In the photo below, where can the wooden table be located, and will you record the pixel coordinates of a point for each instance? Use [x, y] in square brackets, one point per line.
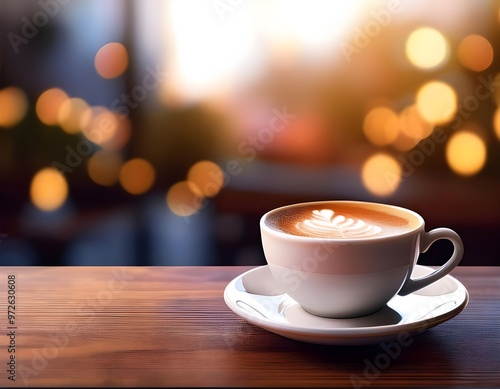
[169, 326]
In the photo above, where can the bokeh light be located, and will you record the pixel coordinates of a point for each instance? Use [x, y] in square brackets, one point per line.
[381, 126]
[381, 174]
[184, 198]
[413, 128]
[48, 105]
[437, 102]
[70, 114]
[466, 152]
[207, 176]
[137, 176]
[427, 48]
[104, 128]
[104, 167]
[475, 52]
[496, 123]
[413, 125]
[13, 106]
[111, 60]
[405, 142]
[49, 189]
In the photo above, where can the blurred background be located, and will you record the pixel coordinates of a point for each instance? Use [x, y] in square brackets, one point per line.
[158, 132]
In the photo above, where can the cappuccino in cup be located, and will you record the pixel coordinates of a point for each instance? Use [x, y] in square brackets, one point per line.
[340, 221]
[345, 259]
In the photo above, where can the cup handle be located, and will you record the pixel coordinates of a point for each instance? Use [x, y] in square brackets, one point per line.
[428, 238]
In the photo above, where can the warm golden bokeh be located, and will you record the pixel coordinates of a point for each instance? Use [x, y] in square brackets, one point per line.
[475, 52]
[70, 114]
[111, 60]
[413, 125]
[48, 190]
[207, 176]
[466, 153]
[496, 123]
[381, 126]
[184, 198]
[104, 167]
[13, 106]
[437, 102]
[48, 105]
[404, 142]
[137, 176]
[427, 48]
[381, 174]
[104, 128]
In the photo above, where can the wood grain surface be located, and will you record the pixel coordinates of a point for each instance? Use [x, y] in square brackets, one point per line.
[169, 326]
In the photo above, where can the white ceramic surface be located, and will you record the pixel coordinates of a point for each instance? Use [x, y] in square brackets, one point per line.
[351, 275]
[401, 316]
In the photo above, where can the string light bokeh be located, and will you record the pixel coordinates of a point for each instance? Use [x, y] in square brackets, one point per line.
[194, 106]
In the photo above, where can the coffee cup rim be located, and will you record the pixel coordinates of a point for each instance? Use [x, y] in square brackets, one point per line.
[281, 234]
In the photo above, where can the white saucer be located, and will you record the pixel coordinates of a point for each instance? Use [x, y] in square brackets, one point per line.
[401, 317]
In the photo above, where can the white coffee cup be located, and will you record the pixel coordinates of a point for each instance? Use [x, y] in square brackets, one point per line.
[344, 259]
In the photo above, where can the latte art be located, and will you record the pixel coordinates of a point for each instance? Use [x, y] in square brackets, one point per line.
[326, 223]
[339, 220]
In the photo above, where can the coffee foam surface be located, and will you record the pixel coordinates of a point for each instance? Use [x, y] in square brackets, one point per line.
[337, 221]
